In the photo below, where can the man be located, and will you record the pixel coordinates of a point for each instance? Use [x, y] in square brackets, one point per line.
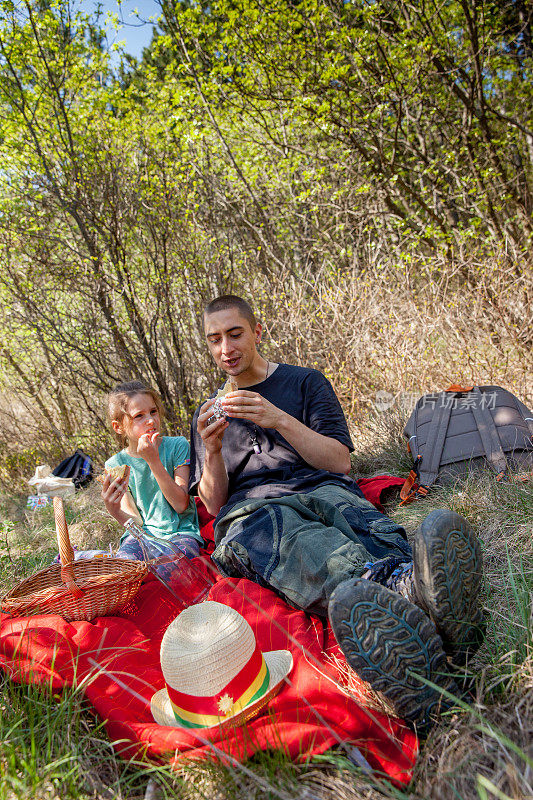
[274, 472]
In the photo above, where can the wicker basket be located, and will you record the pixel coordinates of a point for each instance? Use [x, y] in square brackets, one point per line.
[75, 590]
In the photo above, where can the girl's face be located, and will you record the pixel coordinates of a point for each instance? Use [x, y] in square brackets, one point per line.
[141, 417]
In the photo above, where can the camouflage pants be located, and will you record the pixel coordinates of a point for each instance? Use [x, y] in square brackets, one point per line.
[304, 545]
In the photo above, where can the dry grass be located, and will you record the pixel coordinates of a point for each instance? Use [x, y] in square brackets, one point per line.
[405, 326]
[309, 782]
[488, 747]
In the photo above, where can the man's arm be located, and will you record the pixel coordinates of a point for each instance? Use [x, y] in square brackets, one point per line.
[321, 452]
[213, 485]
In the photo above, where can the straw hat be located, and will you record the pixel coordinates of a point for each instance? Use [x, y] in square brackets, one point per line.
[214, 671]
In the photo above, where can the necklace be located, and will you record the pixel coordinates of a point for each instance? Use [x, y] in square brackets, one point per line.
[253, 430]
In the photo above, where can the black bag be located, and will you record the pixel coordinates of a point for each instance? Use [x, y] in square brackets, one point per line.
[452, 432]
[78, 467]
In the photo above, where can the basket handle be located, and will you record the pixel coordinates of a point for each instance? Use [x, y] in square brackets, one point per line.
[66, 553]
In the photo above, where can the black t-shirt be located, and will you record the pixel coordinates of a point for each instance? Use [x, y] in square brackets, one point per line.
[277, 469]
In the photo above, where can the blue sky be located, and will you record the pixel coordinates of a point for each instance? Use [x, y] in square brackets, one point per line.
[136, 32]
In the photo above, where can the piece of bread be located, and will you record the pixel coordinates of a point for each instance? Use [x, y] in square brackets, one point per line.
[229, 386]
[115, 472]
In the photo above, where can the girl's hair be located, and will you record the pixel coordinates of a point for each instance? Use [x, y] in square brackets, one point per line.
[119, 397]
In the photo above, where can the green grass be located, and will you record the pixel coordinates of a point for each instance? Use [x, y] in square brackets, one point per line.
[51, 745]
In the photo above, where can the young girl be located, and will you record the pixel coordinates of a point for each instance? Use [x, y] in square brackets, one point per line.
[157, 475]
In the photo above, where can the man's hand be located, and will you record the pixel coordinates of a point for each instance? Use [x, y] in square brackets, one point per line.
[244, 404]
[213, 433]
[148, 447]
[113, 490]
[321, 452]
[213, 486]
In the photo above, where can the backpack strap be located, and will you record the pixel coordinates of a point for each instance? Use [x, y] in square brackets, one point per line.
[429, 467]
[488, 433]
[411, 489]
[426, 469]
[526, 415]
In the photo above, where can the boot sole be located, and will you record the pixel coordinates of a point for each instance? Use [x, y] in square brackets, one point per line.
[391, 643]
[448, 575]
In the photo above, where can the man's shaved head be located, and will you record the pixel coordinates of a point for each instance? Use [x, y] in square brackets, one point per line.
[226, 301]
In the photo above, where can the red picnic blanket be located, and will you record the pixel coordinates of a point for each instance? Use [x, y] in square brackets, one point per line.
[115, 661]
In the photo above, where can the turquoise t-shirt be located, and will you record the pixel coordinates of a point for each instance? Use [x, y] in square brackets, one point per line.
[158, 516]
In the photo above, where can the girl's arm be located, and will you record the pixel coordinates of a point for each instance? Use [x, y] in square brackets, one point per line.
[128, 507]
[118, 501]
[174, 488]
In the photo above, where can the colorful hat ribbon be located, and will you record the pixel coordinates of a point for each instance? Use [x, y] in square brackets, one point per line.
[250, 683]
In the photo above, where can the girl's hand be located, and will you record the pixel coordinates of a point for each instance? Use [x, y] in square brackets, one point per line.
[148, 447]
[212, 433]
[113, 491]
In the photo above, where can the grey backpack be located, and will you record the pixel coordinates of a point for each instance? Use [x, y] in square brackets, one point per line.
[464, 428]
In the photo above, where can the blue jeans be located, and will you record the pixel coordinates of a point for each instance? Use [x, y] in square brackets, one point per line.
[188, 545]
[132, 550]
[304, 545]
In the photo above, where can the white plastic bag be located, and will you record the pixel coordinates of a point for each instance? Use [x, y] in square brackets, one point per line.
[46, 483]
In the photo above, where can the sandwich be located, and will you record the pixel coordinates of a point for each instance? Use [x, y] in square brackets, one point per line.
[218, 411]
[229, 386]
[116, 473]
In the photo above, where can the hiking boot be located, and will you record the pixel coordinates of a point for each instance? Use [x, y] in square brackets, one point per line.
[393, 646]
[448, 572]
[444, 579]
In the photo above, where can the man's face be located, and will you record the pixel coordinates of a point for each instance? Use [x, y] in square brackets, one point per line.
[232, 340]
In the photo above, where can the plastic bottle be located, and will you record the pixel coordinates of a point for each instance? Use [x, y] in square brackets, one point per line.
[174, 570]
